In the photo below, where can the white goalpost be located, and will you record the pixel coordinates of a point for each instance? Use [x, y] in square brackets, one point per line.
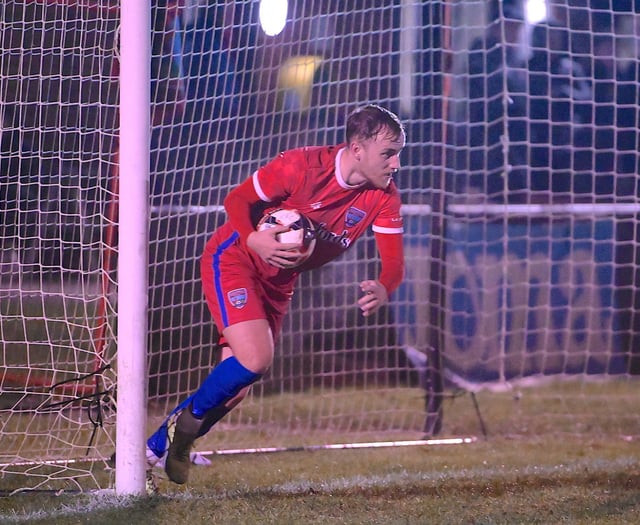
[133, 204]
[125, 124]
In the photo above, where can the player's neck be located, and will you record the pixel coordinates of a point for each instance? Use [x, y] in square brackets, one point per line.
[348, 169]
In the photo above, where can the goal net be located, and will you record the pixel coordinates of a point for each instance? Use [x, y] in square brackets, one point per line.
[519, 200]
[542, 207]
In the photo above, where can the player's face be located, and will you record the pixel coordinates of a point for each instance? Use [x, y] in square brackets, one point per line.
[380, 158]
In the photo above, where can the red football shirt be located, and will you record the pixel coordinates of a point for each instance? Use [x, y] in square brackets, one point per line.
[309, 180]
[240, 286]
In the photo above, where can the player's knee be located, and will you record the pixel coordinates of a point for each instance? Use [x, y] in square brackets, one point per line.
[262, 365]
[251, 342]
[258, 361]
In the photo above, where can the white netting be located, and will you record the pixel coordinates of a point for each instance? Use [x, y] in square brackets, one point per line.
[542, 216]
[58, 103]
[519, 184]
[247, 96]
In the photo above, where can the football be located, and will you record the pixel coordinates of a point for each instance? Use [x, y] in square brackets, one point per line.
[301, 231]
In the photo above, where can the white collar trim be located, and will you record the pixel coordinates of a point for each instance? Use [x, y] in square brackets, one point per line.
[340, 178]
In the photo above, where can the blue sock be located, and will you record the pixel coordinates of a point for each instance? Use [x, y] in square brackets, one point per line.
[157, 442]
[223, 383]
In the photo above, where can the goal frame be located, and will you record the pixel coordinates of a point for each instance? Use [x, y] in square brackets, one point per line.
[484, 305]
[134, 171]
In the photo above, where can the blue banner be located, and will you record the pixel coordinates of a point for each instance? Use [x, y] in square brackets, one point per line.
[522, 299]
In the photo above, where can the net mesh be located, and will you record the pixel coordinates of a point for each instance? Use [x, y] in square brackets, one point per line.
[520, 203]
[58, 104]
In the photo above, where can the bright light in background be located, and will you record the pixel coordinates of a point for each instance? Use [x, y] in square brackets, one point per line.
[273, 16]
[535, 11]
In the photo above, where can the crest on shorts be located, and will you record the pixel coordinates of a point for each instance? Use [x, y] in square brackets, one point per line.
[353, 217]
[237, 297]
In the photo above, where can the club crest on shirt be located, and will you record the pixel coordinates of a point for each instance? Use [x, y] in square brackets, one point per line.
[237, 297]
[353, 217]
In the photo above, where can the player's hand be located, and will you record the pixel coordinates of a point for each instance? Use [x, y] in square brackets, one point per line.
[272, 251]
[375, 296]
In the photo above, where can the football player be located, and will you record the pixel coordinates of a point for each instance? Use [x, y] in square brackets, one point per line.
[247, 276]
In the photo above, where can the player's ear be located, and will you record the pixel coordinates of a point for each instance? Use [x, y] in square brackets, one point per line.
[356, 149]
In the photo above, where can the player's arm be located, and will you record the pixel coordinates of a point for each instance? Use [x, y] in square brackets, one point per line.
[377, 292]
[238, 205]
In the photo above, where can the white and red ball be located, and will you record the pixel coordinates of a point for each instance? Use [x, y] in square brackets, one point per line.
[301, 231]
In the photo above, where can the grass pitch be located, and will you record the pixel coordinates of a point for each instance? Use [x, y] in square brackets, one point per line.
[539, 464]
[495, 481]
